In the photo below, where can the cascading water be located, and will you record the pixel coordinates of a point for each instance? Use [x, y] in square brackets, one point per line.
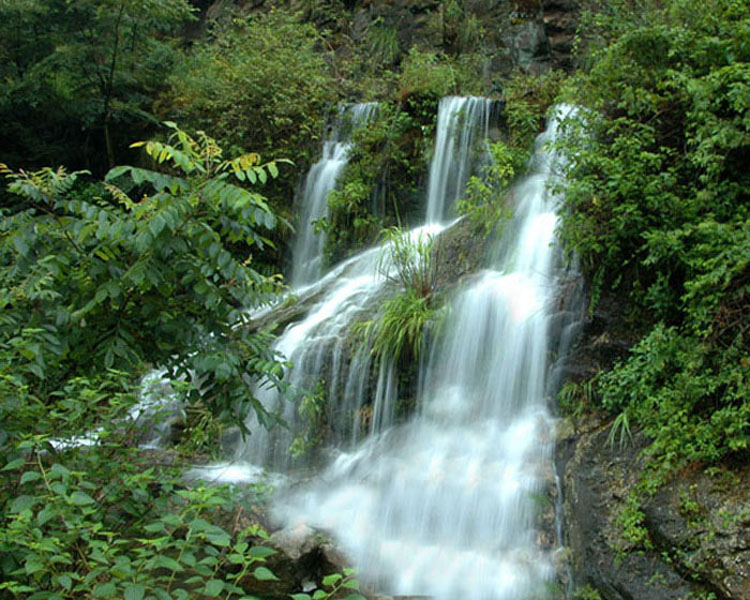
[319, 346]
[320, 180]
[444, 505]
[463, 122]
[320, 350]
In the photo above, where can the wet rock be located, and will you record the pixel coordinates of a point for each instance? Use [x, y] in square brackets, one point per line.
[529, 47]
[705, 521]
[304, 556]
[459, 251]
[697, 525]
[560, 18]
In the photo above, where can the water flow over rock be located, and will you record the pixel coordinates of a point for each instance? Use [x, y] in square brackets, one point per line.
[321, 351]
[444, 505]
[320, 346]
[462, 129]
[320, 180]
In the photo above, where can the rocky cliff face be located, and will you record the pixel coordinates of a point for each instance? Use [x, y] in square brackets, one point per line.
[693, 537]
[535, 35]
[695, 531]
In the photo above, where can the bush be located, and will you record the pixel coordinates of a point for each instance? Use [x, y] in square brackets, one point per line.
[88, 283]
[657, 211]
[104, 520]
[397, 332]
[260, 82]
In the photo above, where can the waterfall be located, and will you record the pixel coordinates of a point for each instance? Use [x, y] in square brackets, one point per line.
[463, 123]
[321, 178]
[443, 505]
[319, 347]
[320, 350]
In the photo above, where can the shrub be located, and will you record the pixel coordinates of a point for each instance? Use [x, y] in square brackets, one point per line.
[104, 519]
[88, 283]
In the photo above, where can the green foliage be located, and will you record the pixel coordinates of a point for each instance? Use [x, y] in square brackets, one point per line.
[620, 430]
[657, 212]
[690, 508]
[689, 397]
[103, 521]
[577, 397]
[200, 432]
[457, 27]
[484, 202]
[87, 283]
[425, 74]
[527, 98]
[397, 332]
[382, 42]
[80, 76]
[379, 184]
[635, 534]
[259, 82]
[664, 160]
[587, 593]
[335, 585]
[312, 411]
[410, 260]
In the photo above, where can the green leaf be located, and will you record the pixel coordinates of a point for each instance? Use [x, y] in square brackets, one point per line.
[105, 590]
[219, 539]
[269, 220]
[168, 563]
[43, 596]
[81, 499]
[33, 564]
[331, 579]
[171, 519]
[29, 476]
[355, 597]
[156, 225]
[22, 503]
[264, 574]
[99, 556]
[45, 515]
[261, 552]
[213, 587]
[65, 581]
[58, 470]
[14, 464]
[134, 591]
[59, 487]
[300, 596]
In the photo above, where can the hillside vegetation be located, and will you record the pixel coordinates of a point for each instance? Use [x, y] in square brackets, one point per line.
[119, 254]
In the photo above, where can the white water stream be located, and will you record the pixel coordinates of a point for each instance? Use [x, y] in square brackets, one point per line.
[320, 181]
[443, 505]
[460, 144]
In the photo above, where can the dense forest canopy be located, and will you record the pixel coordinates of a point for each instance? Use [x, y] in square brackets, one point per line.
[107, 271]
